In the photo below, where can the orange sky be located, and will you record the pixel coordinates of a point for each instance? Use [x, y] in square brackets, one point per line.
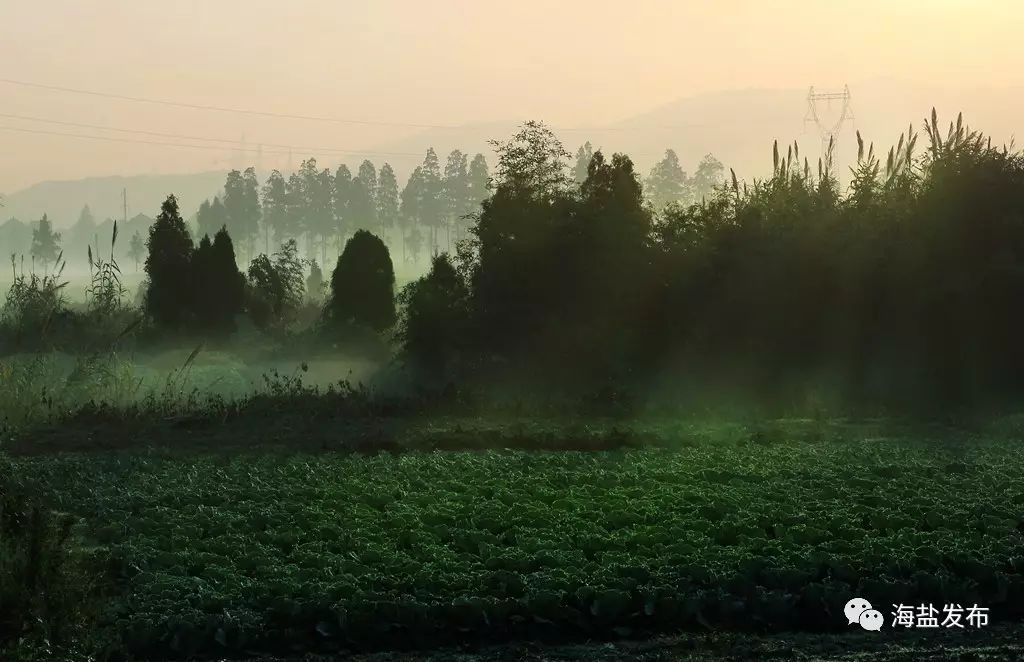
[572, 62]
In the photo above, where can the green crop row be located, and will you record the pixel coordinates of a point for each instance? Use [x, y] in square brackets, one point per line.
[227, 555]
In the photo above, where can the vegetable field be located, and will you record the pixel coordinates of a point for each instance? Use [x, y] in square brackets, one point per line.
[233, 555]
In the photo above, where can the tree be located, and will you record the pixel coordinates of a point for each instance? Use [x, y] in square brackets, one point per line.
[583, 156]
[45, 242]
[211, 217]
[668, 182]
[238, 207]
[410, 212]
[297, 208]
[170, 289]
[431, 203]
[368, 176]
[710, 173]
[275, 208]
[342, 192]
[321, 209]
[455, 191]
[362, 286]
[276, 287]
[435, 319]
[317, 206]
[479, 183]
[136, 248]
[315, 283]
[360, 206]
[387, 199]
[220, 291]
[82, 232]
[532, 162]
[251, 210]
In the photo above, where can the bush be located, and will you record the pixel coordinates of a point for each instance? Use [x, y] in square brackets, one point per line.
[33, 304]
[434, 319]
[276, 288]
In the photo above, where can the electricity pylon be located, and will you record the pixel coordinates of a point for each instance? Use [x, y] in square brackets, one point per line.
[828, 132]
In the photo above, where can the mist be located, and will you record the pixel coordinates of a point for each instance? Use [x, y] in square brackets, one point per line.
[583, 330]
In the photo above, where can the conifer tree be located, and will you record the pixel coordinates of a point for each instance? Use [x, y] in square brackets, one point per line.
[170, 289]
[45, 242]
[583, 156]
[387, 199]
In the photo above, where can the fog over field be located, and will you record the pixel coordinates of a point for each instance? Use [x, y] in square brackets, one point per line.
[511, 331]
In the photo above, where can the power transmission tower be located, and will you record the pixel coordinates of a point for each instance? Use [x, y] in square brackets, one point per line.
[828, 131]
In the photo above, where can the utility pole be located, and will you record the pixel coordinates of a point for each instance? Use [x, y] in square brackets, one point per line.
[124, 203]
[828, 131]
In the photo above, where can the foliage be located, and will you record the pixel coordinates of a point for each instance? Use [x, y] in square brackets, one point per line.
[171, 287]
[747, 528]
[276, 288]
[45, 243]
[387, 198]
[362, 286]
[667, 182]
[47, 597]
[532, 162]
[221, 295]
[583, 156]
[315, 283]
[137, 248]
[33, 302]
[434, 320]
[105, 292]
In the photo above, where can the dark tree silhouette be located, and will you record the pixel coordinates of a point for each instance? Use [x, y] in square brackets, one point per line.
[479, 184]
[435, 320]
[362, 286]
[170, 290]
[220, 287]
[276, 288]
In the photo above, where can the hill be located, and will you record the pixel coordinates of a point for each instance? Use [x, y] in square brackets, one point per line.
[63, 200]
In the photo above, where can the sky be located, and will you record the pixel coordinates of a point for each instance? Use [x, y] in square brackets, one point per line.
[574, 63]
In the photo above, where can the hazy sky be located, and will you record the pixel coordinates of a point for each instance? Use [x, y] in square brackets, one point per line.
[571, 62]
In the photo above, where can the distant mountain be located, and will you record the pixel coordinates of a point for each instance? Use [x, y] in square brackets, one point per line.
[738, 126]
[63, 200]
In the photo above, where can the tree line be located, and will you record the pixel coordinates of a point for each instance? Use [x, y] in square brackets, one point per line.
[320, 208]
[197, 289]
[903, 288]
[906, 288]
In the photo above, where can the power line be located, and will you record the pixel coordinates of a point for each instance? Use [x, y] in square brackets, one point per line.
[206, 139]
[223, 109]
[142, 142]
[335, 120]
